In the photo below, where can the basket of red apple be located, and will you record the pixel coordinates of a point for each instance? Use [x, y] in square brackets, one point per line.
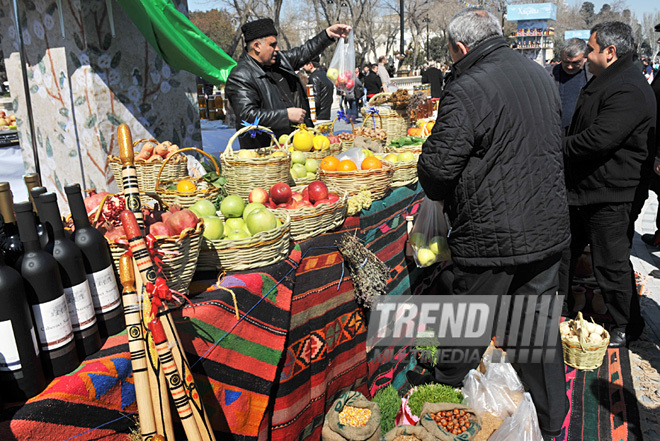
[177, 233]
[243, 237]
[353, 169]
[314, 209]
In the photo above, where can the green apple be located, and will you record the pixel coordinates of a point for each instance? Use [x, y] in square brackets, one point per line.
[440, 247]
[311, 175]
[417, 240]
[332, 74]
[278, 224]
[405, 156]
[297, 157]
[391, 157]
[311, 165]
[250, 208]
[238, 234]
[214, 229]
[261, 220]
[203, 208]
[283, 139]
[234, 223]
[232, 206]
[298, 171]
[367, 153]
[425, 257]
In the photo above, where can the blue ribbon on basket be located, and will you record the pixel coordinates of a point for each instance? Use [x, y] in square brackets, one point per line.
[343, 117]
[253, 133]
[373, 112]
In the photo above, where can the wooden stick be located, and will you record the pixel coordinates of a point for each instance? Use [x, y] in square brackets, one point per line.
[129, 174]
[137, 348]
[159, 395]
[148, 274]
[181, 401]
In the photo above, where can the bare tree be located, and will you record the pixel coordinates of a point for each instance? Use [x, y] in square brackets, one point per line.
[649, 20]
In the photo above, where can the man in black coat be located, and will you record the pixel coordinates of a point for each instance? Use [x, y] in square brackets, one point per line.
[608, 155]
[264, 83]
[372, 82]
[323, 89]
[494, 158]
[434, 77]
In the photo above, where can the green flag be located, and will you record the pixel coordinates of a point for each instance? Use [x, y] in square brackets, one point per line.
[181, 44]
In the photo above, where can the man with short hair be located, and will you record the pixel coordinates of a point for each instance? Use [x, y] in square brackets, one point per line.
[495, 160]
[608, 155]
[323, 89]
[570, 77]
[372, 81]
[264, 83]
[433, 76]
[383, 74]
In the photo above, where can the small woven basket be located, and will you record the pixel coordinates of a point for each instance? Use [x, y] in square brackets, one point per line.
[584, 355]
[310, 222]
[378, 181]
[244, 174]
[368, 122]
[204, 190]
[405, 172]
[394, 122]
[345, 143]
[262, 249]
[314, 154]
[147, 171]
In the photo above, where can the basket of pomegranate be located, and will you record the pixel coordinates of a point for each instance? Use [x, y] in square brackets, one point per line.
[177, 233]
[243, 237]
[314, 209]
[185, 191]
[311, 142]
[248, 168]
[148, 163]
[357, 168]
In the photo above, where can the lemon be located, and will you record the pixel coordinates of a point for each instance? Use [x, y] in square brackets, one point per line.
[321, 143]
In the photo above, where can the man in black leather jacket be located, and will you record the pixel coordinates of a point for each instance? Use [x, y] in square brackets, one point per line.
[264, 84]
[323, 89]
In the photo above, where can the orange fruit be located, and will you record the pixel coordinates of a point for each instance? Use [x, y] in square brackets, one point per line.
[329, 163]
[346, 165]
[186, 186]
[371, 163]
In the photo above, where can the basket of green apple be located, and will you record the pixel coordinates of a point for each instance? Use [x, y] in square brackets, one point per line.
[405, 168]
[242, 236]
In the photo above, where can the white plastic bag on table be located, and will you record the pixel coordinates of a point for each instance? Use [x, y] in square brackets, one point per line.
[355, 154]
[521, 426]
[342, 67]
[428, 237]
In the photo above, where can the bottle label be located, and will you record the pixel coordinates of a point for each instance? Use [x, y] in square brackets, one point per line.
[34, 340]
[81, 308]
[9, 358]
[105, 293]
[53, 324]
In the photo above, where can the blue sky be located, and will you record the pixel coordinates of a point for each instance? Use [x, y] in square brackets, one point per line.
[639, 7]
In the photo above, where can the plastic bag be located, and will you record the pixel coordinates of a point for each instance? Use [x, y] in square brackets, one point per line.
[355, 154]
[342, 67]
[428, 237]
[521, 426]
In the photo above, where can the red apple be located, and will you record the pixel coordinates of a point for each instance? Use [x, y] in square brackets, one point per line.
[305, 204]
[350, 84]
[305, 194]
[297, 196]
[280, 193]
[333, 197]
[322, 201]
[317, 191]
[258, 195]
[286, 206]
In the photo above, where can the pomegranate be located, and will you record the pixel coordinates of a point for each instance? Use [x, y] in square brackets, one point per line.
[159, 229]
[317, 191]
[114, 234]
[181, 220]
[94, 200]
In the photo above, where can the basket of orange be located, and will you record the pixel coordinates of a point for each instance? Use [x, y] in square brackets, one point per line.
[148, 162]
[250, 168]
[344, 174]
[188, 190]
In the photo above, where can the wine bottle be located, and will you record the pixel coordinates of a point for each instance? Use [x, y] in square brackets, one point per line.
[98, 266]
[32, 180]
[45, 296]
[21, 373]
[74, 279]
[12, 246]
[35, 192]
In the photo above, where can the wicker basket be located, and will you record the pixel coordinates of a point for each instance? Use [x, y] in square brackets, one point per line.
[306, 180]
[405, 172]
[244, 174]
[378, 181]
[314, 154]
[204, 189]
[310, 222]
[265, 248]
[147, 171]
[394, 122]
[415, 149]
[345, 144]
[585, 355]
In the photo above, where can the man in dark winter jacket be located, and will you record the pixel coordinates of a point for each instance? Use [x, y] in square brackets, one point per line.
[570, 77]
[494, 158]
[323, 89]
[608, 153]
[264, 83]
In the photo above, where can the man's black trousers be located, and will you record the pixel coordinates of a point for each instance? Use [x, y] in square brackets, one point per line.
[545, 380]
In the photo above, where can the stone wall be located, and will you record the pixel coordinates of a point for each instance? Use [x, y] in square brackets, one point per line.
[84, 84]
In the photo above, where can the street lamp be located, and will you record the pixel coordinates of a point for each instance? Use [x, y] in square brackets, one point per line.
[427, 21]
[401, 10]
